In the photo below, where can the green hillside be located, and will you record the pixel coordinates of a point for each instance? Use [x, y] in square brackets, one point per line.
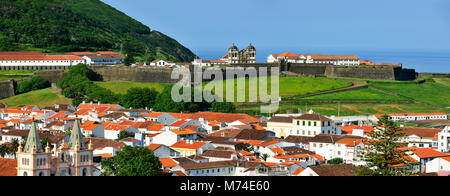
[81, 25]
[41, 98]
[290, 86]
[122, 87]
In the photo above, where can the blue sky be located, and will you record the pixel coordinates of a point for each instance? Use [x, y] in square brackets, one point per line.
[297, 24]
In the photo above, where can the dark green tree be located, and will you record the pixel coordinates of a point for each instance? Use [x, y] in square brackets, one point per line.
[14, 147]
[132, 161]
[165, 103]
[3, 150]
[223, 107]
[244, 147]
[335, 161]
[123, 134]
[139, 98]
[383, 150]
[264, 157]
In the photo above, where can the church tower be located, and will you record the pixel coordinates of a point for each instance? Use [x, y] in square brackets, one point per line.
[77, 158]
[233, 54]
[32, 159]
[251, 54]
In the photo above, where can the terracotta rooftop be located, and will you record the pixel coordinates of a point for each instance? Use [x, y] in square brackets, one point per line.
[334, 170]
[8, 167]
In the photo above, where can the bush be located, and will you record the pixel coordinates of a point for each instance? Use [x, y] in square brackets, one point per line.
[139, 98]
[336, 161]
[35, 83]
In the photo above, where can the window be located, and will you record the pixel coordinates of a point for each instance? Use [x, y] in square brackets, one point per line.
[309, 123]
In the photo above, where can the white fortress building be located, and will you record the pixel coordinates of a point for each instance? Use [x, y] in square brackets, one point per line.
[343, 60]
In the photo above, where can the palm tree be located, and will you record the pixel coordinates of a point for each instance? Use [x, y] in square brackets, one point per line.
[264, 157]
[3, 150]
[45, 141]
[14, 147]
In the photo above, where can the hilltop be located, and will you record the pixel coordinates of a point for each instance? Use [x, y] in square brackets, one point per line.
[81, 25]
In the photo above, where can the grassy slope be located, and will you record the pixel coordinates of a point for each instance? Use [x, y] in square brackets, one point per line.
[15, 74]
[291, 86]
[425, 94]
[443, 81]
[122, 87]
[352, 109]
[41, 98]
[368, 94]
[428, 92]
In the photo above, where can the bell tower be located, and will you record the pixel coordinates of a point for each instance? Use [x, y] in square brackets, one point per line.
[32, 160]
[77, 158]
[233, 54]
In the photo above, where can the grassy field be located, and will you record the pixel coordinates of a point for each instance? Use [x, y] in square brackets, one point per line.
[428, 92]
[361, 94]
[292, 86]
[351, 109]
[426, 97]
[15, 74]
[41, 98]
[443, 81]
[122, 87]
[8, 77]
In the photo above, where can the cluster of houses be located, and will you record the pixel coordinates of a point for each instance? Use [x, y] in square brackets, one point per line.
[211, 144]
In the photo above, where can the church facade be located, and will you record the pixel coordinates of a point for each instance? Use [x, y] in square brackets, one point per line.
[72, 159]
[244, 56]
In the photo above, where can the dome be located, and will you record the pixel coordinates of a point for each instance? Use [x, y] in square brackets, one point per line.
[251, 47]
[233, 47]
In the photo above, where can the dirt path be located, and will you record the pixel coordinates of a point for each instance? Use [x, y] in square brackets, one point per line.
[354, 109]
[398, 108]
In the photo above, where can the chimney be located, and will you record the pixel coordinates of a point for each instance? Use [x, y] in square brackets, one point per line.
[92, 102]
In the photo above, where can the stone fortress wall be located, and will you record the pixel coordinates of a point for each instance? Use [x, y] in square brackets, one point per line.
[163, 75]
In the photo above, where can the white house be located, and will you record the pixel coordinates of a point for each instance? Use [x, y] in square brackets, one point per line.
[104, 59]
[438, 165]
[38, 61]
[416, 116]
[444, 140]
[171, 137]
[343, 60]
[161, 63]
[163, 151]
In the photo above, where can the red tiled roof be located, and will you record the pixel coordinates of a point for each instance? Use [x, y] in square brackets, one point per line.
[224, 117]
[427, 153]
[156, 127]
[168, 162]
[40, 58]
[21, 53]
[349, 141]
[153, 147]
[106, 155]
[298, 171]
[8, 167]
[184, 144]
[251, 142]
[183, 131]
[80, 53]
[413, 114]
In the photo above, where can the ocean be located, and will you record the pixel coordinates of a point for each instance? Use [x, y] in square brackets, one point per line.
[422, 61]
